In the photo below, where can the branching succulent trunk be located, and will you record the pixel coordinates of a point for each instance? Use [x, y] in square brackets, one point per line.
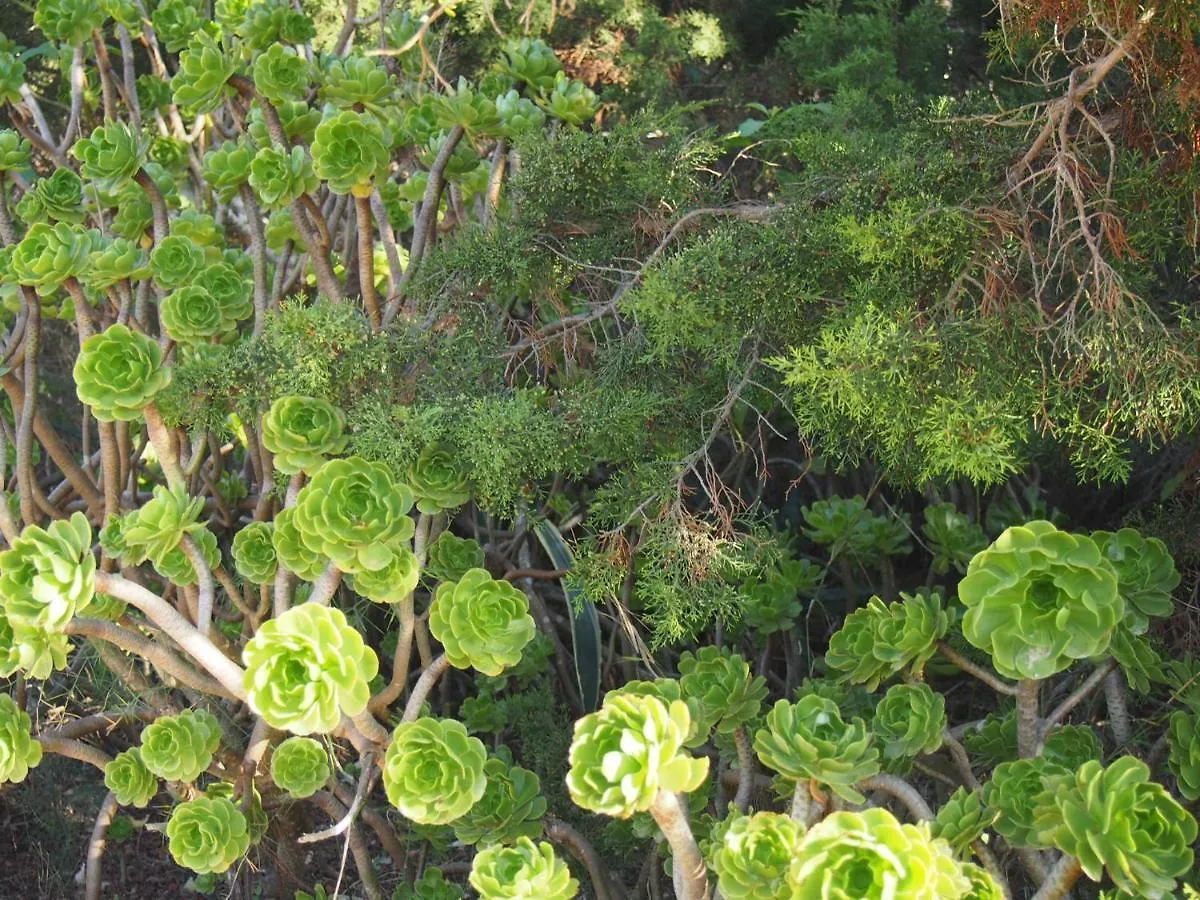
[688, 870]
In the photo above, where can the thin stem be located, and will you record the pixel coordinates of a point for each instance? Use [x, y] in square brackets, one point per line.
[1077, 696]
[400, 660]
[423, 686]
[95, 852]
[25, 424]
[745, 770]
[205, 584]
[690, 874]
[562, 833]
[992, 681]
[258, 255]
[901, 790]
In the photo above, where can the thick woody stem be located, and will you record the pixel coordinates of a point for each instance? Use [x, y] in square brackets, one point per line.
[1064, 874]
[1028, 731]
[562, 833]
[164, 447]
[897, 787]
[745, 770]
[690, 874]
[176, 627]
[366, 261]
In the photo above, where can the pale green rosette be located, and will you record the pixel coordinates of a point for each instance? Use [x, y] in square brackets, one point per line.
[755, 855]
[482, 623]
[300, 765]
[127, 777]
[180, 748]
[1038, 599]
[433, 771]
[624, 754]
[524, 871]
[208, 834]
[19, 752]
[307, 668]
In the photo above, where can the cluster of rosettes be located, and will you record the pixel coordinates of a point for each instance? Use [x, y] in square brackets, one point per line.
[46, 577]
[1038, 599]
[884, 639]
[809, 740]
[849, 529]
[307, 668]
[867, 856]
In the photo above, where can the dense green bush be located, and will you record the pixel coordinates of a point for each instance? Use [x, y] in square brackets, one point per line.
[578, 445]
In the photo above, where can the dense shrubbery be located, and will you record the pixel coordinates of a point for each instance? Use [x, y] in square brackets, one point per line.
[566, 448]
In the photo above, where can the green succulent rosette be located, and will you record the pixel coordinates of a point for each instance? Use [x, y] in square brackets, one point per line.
[355, 513]
[1013, 791]
[883, 639]
[358, 81]
[809, 740]
[34, 651]
[280, 229]
[175, 22]
[127, 777]
[1039, 598]
[281, 74]
[306, 668]
[754, 857]
[451, 557]
[350, 152]
[155, 529]
[772, 602]
[1114, 819]
[291, 551]
[433, 771]
[48, 575]
[668, 690]
[19, 752]
[1183, 758]
[169, 152]
[432, 885]
[269, 22]
[993, 740]
[202, 82]
[393, 582]
[466, 107]
[200, 228]
[962, 820]
[153, 93]
[438, 481]
[134, 214]
[1070, 746]
[302, 432]
[485, 714]
[254, 553]
[119, 260]
[112, 154]
[982, 886]
[626, 752]
[524, 871]
[50, 254]
[177, 262]
[232, 292]
[1140, 662]
[300, 765]
[909, 720]
[208, 834]
[511, 807]
[176, 566]
[256, 816]
[191, 315]
[482, 623]
[56, 198]
[12, 76]
[180, 747]
[871, 856]
[722, 683]
[952, 536]
[848, 528]
[227, 167]
[69, 21]
[15, 151]
[532, 62]
[1146, 574]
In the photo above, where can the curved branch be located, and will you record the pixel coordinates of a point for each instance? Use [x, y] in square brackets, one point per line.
[995, 683]
[95, 852]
